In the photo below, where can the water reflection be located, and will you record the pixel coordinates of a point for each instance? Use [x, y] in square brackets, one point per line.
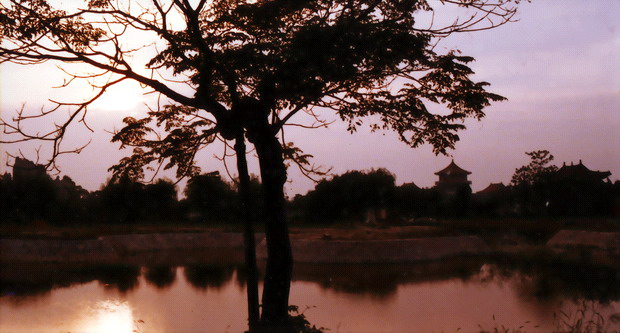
[203, 276]
[39, 279]
[160, 276]
[382, 281]
[549, 280]
[540, 281]
[123, 278]
[470, 291]
[108, 316]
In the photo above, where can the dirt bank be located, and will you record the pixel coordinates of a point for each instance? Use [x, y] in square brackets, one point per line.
[124, 247]
[114, 248]
[309, 246]
[382, 251]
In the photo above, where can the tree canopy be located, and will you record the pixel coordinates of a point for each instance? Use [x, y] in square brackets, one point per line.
[360, 58]
[349, 196]
[536, 170]
[243, 69]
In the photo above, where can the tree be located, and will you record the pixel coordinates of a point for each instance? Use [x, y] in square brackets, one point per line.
[536, 170]
[248, 68]
[211, 197]
[121, 201]
[160, 201]
[531, 183]
[349, 196]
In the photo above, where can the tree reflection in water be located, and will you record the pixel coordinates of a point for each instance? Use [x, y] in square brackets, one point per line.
[203, 276]
[540, 280]
[381, 281]
[547, 280]
[123, 278]
[536, 283]
[160, 276]
[38, 279]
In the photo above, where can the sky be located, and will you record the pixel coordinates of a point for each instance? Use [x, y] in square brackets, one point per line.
[558, 66]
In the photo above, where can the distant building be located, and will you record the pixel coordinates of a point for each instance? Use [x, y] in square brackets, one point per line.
[452, 178]
[493, 188]
[24, 170]
[454, 190]
[578, 191]
[581, 173]
[493, 200]
[410, 186]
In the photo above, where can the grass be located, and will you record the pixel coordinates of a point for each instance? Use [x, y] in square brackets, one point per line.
[585, 319]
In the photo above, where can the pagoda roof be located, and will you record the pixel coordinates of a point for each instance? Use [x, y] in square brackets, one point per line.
[410, 185]
[494, 188]
[581, 171]
[452, 169]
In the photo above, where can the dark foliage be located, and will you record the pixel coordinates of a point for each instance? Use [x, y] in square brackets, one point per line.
[348, 196]
[31, 195]
[37, 198]
[123, 201]
[209, 198]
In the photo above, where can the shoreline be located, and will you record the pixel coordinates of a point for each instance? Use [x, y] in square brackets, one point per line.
[227, 246]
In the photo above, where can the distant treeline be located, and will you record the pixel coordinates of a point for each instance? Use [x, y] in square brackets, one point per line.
[372, 196]
[30, 195]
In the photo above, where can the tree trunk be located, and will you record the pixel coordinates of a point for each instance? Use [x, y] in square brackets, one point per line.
[279, 267]
[248, 234]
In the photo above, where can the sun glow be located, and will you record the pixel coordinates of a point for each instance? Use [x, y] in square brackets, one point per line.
[109, 316]
[123, 96]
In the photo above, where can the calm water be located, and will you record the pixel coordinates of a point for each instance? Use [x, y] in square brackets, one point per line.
[447, 296]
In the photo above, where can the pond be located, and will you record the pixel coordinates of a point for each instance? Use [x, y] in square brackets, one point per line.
[459, 295]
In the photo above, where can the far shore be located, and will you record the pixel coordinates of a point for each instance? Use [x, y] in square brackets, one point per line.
[354, 244]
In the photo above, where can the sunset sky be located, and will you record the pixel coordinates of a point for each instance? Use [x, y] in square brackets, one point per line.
[558, 66]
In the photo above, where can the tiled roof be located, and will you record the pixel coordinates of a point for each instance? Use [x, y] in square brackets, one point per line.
[493, 188]
[581, 171]
[453, 169]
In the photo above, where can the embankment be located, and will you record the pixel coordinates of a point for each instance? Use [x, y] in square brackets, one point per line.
[228, 247]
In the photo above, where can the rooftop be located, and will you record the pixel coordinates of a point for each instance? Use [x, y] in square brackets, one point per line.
[452, 169]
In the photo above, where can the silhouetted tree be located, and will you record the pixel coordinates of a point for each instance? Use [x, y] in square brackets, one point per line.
[122, 201]
[68, 206]
[536, 171]
[30, 193]
[160, 201]
[531, 183]
[348, 196]
[407, 201]
[249, 68]
[211, 198]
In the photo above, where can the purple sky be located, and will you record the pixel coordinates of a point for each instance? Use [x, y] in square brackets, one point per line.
[558, 66]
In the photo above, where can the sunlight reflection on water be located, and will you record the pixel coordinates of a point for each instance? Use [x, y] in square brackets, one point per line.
[108, 316]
